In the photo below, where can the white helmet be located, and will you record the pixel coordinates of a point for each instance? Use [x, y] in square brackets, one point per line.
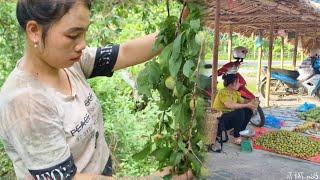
[314, 52]
[240, 52]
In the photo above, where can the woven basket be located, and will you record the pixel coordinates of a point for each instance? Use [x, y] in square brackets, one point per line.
[211, 125]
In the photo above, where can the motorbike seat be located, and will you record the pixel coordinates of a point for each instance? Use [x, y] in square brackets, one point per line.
[290, 73]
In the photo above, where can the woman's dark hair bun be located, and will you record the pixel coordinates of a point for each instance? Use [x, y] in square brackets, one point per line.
[229, 79]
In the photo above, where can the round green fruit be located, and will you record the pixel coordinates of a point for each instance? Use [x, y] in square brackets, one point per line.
[170, 82]
[192, 104]
[198, 101]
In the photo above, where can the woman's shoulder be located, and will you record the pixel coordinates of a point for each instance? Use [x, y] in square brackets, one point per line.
[21, 104]
[18, 81]
[20, 89]
[223, 91]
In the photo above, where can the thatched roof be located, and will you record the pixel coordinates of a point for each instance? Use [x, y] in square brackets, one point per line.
[251, 16]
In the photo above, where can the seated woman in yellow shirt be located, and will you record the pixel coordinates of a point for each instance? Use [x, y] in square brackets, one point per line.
[236, 111]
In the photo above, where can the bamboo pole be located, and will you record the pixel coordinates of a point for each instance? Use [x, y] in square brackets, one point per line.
[295, 51]
[259, 63]
[215, 52]
[282, 52]
[230, 44]
[301, 50]
[269, 65]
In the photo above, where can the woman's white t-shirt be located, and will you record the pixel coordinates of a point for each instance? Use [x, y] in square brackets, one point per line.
[49, 134]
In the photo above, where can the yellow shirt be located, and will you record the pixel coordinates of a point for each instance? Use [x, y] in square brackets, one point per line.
[225, 95]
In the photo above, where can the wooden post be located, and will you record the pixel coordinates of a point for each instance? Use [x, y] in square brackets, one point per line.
[301, 49]
[215, 52]
[259, 63]
[269, 65]
[295, 51]
[282, 52]
[230, 45]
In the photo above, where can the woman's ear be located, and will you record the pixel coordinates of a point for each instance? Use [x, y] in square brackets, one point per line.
[34, 32]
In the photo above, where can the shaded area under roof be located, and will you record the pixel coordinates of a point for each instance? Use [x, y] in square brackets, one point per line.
[249, 17]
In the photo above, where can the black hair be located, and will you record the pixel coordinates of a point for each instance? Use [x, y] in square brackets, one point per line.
[44, 12]
[229, 79]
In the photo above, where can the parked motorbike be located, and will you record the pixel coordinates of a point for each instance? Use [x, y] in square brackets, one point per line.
[304, 82]
[239, 53]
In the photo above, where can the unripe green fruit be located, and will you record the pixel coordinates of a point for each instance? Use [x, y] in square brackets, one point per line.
[198, 101]
[192, 104]
[170, 82]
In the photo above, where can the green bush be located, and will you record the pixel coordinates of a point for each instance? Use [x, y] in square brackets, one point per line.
[126, 130]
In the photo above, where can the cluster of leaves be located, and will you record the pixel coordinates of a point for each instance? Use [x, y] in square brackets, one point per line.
[177, 139]
[11, 47]
[125, 130]
[11, 40]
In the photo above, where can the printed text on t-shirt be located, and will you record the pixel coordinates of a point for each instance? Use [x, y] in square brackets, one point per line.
[80, 126]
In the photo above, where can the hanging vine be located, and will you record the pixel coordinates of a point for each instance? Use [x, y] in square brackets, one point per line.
[177, 138]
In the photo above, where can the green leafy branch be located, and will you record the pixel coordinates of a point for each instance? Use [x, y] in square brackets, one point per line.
[176, 141]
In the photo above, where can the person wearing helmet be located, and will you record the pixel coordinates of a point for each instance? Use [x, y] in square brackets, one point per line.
[307, 69]
[314, 52]
[239, 53]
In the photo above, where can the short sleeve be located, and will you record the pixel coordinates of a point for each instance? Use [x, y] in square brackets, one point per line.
[239, 98]
[30, 123]
[99, 61]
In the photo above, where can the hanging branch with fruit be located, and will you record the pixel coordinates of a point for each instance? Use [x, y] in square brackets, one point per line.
[177, 140]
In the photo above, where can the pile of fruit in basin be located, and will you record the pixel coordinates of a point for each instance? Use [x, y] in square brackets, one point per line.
[313, 115]
[290, 143]
[312, 124]
[308, 127]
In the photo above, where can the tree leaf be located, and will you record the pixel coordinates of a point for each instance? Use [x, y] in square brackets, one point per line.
[161, 154]
[157, 43]
[176, 158]
[182, 146]
[195, 24]
[143, 84]
[177, 47]
[180, 89]
[200, 109]
[154, 72]
[196, 165]
[174, 65]
[165, 56]
[181, 114]
[194, 48]
[166, 98]
[187, 68]
[167, 177]
[143, 153]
